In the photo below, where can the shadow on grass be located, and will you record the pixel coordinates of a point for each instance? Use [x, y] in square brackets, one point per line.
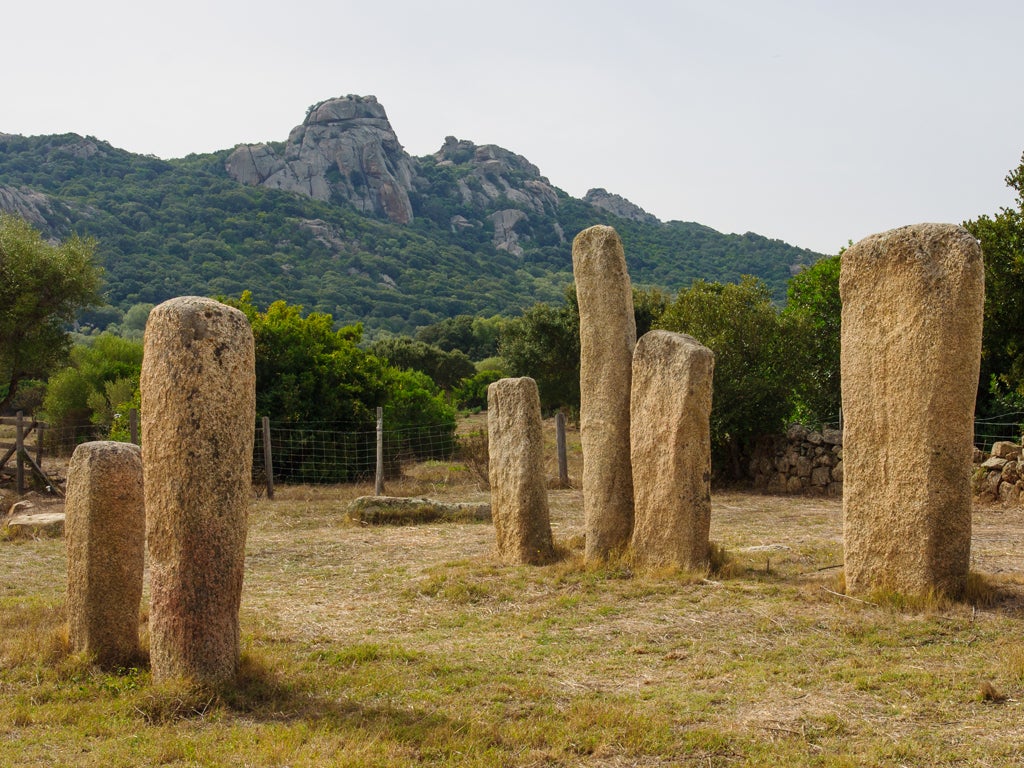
[263, 695]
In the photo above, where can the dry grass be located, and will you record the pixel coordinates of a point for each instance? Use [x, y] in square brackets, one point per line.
[412, 645]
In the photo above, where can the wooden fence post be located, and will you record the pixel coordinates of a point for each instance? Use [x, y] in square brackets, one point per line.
[268, 459]
[19, 456]
[133, 425]
[378, 486]
[40, 426]
[563, 459]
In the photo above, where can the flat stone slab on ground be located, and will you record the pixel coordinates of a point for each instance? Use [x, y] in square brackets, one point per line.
[49, 524]
[401, 510]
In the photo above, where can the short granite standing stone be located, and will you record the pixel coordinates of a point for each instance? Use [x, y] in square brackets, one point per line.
[198, 414]
[670, 442]
[607, 338]
[911, 347]
[519, 496]
[105, 539]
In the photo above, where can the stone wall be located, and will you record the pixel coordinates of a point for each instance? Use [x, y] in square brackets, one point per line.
[802, 461]
[999, 476]
[808, 461]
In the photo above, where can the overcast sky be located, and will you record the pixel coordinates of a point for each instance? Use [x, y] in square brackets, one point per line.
[812, 122]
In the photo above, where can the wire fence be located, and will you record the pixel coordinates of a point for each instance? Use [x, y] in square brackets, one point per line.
[324, 452]
[987, 429]
[991, 429]
[333, 452]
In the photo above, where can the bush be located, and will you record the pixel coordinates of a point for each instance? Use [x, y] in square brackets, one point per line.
[471, 394]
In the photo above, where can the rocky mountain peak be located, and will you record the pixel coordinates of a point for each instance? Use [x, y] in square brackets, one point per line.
[505, 186]
[345, 149]
[345, 108]
[619, 206]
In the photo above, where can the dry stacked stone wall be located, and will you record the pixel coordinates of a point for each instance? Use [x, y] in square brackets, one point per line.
[999, 476]
[804, 461]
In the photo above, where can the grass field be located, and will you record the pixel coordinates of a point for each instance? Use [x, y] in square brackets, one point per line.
[395, 646]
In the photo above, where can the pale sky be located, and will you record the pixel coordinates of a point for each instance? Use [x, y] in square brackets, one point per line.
[812, 122]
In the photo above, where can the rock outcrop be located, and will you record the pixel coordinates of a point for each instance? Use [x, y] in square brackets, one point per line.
[619, 206]
[493, 179]
[494, 174]
[38, 209]
[345, 150]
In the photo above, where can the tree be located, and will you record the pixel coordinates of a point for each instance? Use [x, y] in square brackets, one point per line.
[477, 337]
[306, 371]
[42, 286]
[544, 343]
[100, 382]
[446, 369]
[814, 309]
[1002, 243]
[753, 361]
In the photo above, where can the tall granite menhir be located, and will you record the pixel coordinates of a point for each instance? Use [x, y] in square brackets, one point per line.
[670, 445]
[911, 348]
[198, 414]
[519, 495]
[607, 338]
[105, 539]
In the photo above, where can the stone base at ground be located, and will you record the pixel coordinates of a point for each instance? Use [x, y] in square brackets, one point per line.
[400, 510]
[36, 524]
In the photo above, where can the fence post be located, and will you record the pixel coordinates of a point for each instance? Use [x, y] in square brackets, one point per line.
[40, 426]
[133, 425]
[378, 486]
[563, 460]
[268, 459]
[19, 459]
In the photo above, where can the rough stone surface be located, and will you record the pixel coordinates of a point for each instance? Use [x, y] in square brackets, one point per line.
[994, 462]
[519, 496]
[38, 209]
[821, 476]
[346, 148]
[1004, 449]
[105, 539]
[505, 236]
[198, 410]
[670, 447]
[607, 339]
[793, 464]
[35, 524]
[911, 345]
[619, 206]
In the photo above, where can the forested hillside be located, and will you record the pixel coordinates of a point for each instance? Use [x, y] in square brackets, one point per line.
[185, 226]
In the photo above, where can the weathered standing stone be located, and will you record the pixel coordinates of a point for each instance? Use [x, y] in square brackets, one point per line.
[105, 539]
[670, 444]
[519, 496]
[607, 338]
[911, 345]
[198, 412]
